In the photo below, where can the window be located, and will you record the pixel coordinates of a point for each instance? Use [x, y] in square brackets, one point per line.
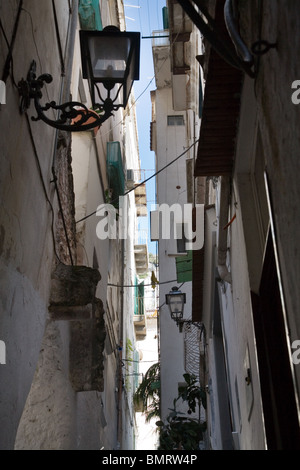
[175, 120]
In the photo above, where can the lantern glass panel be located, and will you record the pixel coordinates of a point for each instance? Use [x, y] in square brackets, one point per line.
[109, 57]
[110, 61]
[176, 304]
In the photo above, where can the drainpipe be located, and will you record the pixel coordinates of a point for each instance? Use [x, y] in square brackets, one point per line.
[222, 233]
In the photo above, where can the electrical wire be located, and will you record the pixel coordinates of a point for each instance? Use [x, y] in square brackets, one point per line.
[137, 285]
[9, 64]
[145, 181]
[139, 362]
[62, 74]
[127, 111]
[9, 59]
[33, 37]
[43, 184]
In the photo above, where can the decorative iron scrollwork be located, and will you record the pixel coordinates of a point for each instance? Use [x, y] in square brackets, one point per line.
[72, 116]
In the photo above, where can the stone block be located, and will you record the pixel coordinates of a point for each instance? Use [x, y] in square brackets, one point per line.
[73, 285]
[86, 352]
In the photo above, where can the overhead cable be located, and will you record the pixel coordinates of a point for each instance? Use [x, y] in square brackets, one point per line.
[145, 181]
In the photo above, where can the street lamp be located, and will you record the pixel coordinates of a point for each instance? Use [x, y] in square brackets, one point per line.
[176, 300]
[110, 62]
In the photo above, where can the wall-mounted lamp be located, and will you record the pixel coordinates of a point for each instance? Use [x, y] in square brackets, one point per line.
[176, 300]
[110, 61]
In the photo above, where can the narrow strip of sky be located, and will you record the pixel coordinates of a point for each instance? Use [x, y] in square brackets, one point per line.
[145, 16]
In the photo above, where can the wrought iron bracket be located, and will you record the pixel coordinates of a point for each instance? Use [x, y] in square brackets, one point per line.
[72, 116]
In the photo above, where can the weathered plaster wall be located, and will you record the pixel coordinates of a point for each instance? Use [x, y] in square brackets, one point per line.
[278, 119]
[26, 217]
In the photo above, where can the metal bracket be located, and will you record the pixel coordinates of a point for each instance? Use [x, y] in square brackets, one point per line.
[73, 116]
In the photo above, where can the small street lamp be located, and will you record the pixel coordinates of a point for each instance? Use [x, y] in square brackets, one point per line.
[176, 300]
[110, 61]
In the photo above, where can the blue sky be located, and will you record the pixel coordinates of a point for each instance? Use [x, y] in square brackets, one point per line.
[145, 16]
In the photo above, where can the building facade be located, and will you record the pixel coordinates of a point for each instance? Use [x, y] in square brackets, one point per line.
[175, 122]
[247, 149]
[243, 285]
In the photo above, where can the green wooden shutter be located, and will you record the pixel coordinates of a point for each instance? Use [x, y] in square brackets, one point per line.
[89, 15]
[184, 267]
[115, 172]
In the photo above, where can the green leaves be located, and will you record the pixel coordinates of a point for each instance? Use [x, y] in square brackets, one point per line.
[192, 393]
[180, 431]
[148, 392]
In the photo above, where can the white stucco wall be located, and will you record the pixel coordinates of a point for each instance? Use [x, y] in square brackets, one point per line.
[171, 188]
[25, 217]
[34, 381]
